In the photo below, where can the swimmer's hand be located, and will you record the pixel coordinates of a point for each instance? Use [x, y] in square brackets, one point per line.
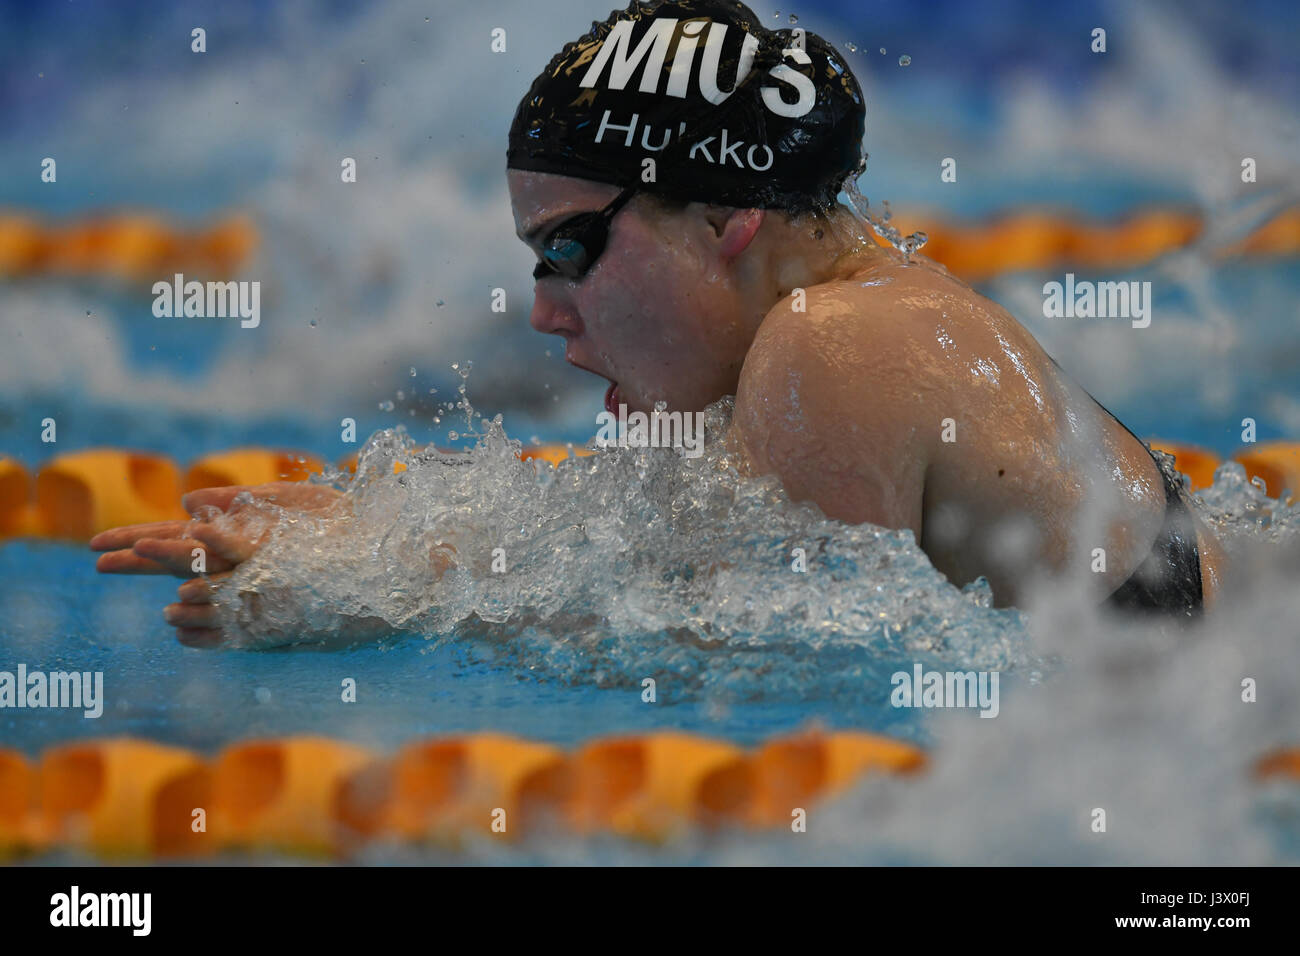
[167, 547]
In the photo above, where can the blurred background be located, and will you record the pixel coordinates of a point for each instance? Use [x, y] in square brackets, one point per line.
[225, 165]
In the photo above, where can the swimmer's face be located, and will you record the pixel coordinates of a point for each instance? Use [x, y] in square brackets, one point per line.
[659, 313]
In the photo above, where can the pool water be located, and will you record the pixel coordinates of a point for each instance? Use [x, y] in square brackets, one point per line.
[156, 688]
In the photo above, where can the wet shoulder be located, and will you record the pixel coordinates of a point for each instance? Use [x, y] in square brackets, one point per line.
[917, 323]
[913, 345]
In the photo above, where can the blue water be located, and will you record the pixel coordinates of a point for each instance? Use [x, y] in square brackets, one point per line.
[66, 617]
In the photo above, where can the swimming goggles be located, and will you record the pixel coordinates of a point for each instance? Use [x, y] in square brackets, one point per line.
[575, 245]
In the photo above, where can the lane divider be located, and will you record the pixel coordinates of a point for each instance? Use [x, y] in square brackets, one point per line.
[77, 495]
[17, 502]
[123, 798]
[131, 246]
[120, 797]
[310, 796]
[250, 466]
[433, 790]
[1032, 239]
[141, 245]
[82, 493]
[281, 794]
[1276, 464]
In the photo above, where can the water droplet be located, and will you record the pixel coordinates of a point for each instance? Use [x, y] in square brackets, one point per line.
[904, 60]
[412, 372]
[452, 436]
[793, 18]
[313, 323]
[440, 303]
[912, 244]
[882, 51]
[262, 695]
[852, 47]
[385, 406]
[775, 15]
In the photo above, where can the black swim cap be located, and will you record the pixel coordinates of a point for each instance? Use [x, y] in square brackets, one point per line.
[732, 113]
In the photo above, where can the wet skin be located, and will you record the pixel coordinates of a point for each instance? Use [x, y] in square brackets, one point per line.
[844, 401]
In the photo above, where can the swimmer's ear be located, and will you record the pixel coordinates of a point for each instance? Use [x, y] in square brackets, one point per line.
[735, 228]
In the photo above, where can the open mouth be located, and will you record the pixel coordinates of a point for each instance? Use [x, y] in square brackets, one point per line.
[612, 395]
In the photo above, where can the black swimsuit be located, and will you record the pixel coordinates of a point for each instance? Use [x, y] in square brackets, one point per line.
[1169, 579]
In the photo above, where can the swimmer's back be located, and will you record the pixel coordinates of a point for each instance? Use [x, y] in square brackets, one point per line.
[851, 403]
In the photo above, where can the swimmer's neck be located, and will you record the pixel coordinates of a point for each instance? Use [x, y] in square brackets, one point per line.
[801, 255]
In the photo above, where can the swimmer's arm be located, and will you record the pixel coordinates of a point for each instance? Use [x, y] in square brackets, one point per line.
[837, 427]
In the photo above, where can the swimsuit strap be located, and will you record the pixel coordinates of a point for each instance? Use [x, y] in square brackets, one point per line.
[1169, 579]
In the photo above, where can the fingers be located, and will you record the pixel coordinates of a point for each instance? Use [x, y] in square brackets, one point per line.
[120, 543]
[204, 637]
[177, 556]
[127, 561]
[231, 547]
[213, 498]
[192, 616]
[197, 591]
[290, 494]
[196, 617]
[128, 535]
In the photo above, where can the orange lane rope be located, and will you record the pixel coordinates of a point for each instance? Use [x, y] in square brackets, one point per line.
[125, 797]
[76, 495]
[138, 245]
[131, 246]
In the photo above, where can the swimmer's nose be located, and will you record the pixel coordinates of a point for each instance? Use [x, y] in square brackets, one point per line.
[553, 318]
